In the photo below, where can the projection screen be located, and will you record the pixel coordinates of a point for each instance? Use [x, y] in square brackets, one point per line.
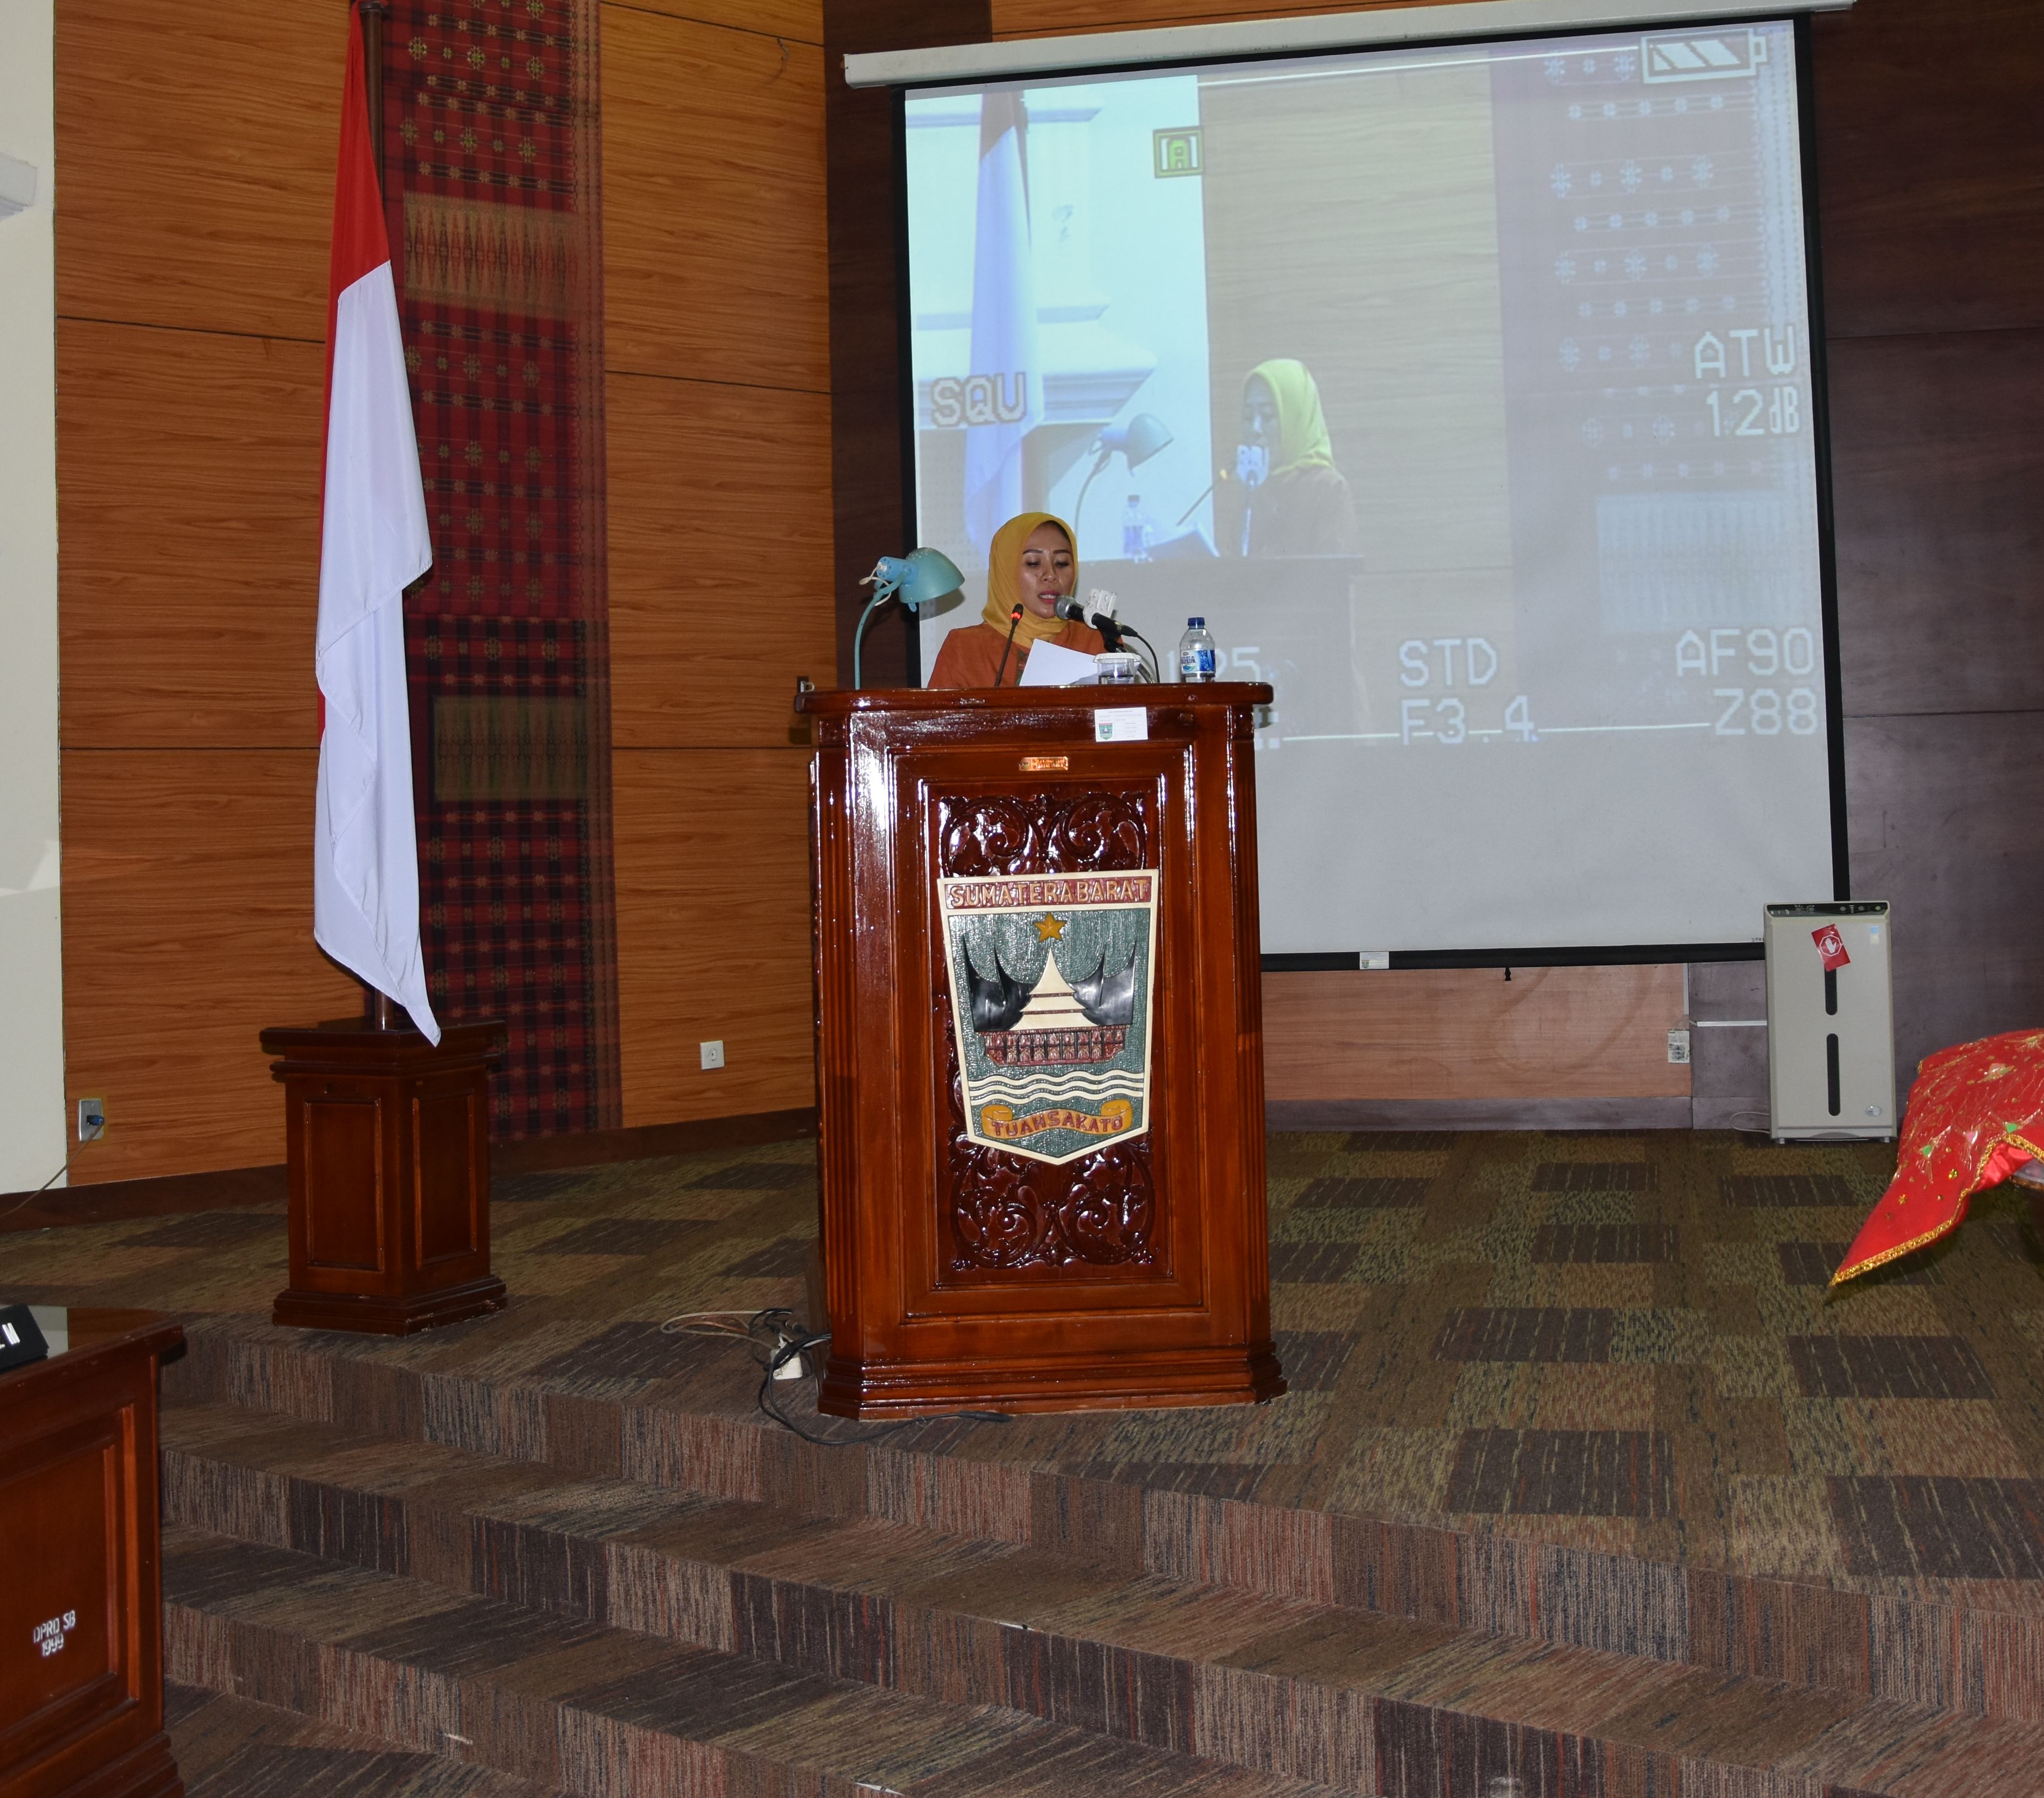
[1486, 376]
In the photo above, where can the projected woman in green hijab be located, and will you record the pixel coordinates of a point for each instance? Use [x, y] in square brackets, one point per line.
[1284, 496]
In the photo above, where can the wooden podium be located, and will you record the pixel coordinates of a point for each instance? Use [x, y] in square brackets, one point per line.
[1040, 1050]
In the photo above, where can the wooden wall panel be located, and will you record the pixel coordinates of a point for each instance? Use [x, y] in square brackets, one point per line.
[720, 560]
[198, 195]
[713, 203]
[188, 470]
[716, 312]
[1931, 174]
[800, 19]
[868, 486]
[188, 916]
[714, 931]
[1469, 1033]
[1938, 468]
[196, 151]
[1931, 165]
[1947, 824]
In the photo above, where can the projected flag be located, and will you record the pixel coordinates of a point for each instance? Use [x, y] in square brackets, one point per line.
[1006, 394]
[373, 544]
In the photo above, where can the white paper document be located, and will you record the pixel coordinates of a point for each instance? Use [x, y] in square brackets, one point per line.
[1051, 664]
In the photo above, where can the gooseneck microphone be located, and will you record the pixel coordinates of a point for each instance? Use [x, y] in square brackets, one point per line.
[1014, 620]
[1073, 607]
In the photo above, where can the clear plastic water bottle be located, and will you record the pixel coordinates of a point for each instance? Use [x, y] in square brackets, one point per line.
[1134, 531]
[1198, 659]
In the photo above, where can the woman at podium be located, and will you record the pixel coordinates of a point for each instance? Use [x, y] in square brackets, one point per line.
[1284, 496]
[1031, 564]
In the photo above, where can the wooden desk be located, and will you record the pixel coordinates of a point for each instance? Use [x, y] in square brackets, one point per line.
[81, 1605]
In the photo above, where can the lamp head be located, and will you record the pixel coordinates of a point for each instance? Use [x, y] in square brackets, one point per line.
[919, 578]
[1139, 440]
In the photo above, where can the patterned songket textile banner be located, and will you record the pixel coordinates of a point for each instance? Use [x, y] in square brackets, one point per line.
[492, 173]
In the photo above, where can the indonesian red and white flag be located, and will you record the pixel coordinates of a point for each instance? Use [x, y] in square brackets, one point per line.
[374, 543]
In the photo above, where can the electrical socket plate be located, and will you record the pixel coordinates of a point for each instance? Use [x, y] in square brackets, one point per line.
[1678, 1047]
[712, 1053]
[91, 1119]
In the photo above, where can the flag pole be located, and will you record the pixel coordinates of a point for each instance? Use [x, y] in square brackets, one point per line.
[379, 1012]
[373, 14]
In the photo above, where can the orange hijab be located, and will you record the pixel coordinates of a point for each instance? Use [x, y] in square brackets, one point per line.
[1004, 577]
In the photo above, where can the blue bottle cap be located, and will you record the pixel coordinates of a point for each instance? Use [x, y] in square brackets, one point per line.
[1196, 623]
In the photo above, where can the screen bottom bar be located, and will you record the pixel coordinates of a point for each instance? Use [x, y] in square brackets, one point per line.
[1343, 961]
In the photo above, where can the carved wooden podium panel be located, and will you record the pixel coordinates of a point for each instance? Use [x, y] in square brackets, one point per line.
[1040, 1055]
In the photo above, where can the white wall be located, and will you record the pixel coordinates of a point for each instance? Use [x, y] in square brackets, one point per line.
[32, 1129]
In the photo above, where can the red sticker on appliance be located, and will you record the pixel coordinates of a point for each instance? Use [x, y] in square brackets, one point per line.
[1832, 947]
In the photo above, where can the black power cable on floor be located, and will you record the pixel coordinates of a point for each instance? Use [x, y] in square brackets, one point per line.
[790, 1338]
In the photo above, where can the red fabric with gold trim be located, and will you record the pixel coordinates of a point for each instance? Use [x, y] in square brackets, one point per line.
[1975, 1114]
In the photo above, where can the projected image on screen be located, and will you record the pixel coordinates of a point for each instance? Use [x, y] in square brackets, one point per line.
[1466, 392]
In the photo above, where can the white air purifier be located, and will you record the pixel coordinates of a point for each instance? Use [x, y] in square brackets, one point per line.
[1830, 1023]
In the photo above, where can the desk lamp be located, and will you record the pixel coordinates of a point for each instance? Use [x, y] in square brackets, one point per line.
[921, 577]
[1139, 440]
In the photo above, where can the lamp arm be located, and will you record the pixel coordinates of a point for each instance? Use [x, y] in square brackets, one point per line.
[1083, 485]
[859, 636]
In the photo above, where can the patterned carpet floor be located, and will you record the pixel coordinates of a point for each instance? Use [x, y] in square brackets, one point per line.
[230, 1747]
[1586, 1389]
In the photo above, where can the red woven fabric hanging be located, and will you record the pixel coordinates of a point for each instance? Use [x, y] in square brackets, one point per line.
[491, 143]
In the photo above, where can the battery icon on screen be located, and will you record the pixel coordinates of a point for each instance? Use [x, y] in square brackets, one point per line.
[1701, 56]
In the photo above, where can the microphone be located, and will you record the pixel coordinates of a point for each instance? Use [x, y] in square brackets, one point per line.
[1102, 622]
[1014, 622]
[1073, 607]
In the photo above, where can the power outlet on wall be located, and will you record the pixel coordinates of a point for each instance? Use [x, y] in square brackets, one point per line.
[91, 1119]
[712, 1053]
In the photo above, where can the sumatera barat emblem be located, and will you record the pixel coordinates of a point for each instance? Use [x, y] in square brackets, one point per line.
[1051, 978]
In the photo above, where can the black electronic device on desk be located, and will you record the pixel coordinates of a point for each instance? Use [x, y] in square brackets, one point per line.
[21, 1339]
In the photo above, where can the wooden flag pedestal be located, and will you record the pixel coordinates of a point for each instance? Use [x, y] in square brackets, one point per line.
[387, 1139]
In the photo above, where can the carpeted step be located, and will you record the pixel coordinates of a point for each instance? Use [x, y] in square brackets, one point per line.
[231, 1747]
[678, 1414]
[1283, 1688]
[562, 1704]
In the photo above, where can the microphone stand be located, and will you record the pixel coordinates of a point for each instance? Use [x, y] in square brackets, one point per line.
[1014, 623]
[1156, 668]
[1112, 631]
